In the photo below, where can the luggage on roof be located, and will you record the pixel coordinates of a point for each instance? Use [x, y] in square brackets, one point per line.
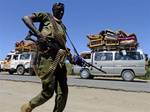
[110, 40]
[25, 46]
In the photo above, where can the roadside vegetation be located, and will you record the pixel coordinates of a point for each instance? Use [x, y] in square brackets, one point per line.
[147, 76]
[69, 68]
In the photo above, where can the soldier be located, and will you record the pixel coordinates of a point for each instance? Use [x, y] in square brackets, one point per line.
[52, 38]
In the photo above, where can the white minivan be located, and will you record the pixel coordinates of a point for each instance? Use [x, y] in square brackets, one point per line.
[18, 62]
[127, 64]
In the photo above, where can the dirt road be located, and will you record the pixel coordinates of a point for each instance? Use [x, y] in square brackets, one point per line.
[81, 99]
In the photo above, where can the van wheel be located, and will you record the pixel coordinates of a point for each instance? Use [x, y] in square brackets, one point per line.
[20, 70]
[85, 74]
[128, 75]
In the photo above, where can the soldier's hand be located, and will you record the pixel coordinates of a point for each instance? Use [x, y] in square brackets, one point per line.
[42, 40]
[79, 61]
[40, 35]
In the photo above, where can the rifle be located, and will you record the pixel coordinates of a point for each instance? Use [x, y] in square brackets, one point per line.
[89, 64]
[59, 59]
[28, 37]
[81, 60]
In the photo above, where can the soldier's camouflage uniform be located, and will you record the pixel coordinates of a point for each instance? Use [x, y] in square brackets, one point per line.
[51, 82]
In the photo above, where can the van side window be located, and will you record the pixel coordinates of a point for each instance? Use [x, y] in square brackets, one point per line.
[103, 56]
[119, 56]
[24, 56]
[15, 57]
[128, 56]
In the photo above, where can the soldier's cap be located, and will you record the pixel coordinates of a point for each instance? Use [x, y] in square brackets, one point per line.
[57, 6]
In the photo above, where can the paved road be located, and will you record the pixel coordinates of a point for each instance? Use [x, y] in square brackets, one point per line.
[112, 84]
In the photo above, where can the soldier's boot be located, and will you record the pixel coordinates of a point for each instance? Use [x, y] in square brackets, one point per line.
[26, 108]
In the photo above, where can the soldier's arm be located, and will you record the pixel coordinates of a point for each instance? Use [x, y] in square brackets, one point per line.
[29, 21]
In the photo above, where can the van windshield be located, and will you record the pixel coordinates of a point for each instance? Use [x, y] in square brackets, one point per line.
[8, 57]
[128, 56]
[85, 55]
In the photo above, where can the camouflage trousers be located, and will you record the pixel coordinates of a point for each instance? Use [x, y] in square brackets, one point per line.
[51, 82]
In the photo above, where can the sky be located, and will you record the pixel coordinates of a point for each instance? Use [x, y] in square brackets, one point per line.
[82, 17]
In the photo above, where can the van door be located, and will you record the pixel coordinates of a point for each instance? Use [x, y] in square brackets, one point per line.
[25, 60]
[132, 60]
[14, 61]
[7, 61]
[104, 60]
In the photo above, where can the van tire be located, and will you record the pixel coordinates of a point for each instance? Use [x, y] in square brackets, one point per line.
[20, 70]
[128, 75]
[84, 73]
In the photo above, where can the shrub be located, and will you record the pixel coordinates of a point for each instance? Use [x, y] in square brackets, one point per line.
[69, 68]
[147, 76]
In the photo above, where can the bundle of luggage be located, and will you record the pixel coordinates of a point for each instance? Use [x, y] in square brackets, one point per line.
[25, 46]
[109, 40]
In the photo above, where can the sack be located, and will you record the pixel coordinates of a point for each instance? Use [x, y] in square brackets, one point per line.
[25, 46]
